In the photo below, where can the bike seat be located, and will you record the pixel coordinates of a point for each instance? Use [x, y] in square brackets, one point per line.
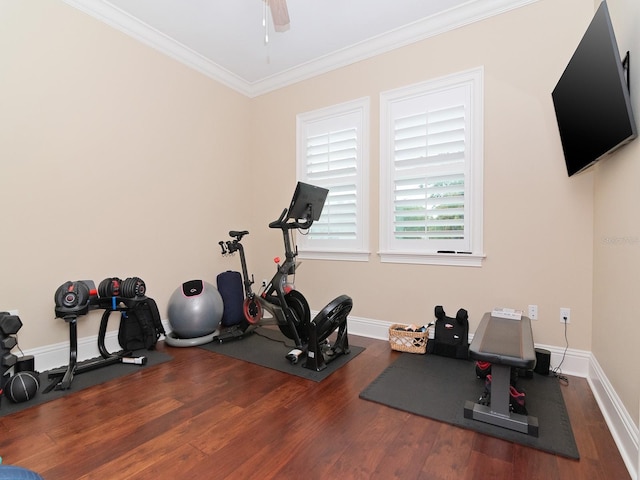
[237, 234]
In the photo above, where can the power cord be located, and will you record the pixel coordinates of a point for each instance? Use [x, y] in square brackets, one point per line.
[557, 372]
[261, 333]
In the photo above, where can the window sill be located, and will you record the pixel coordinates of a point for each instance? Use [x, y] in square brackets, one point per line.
[450, 259]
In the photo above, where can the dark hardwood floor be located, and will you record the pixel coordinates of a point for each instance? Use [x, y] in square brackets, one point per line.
[206, 416]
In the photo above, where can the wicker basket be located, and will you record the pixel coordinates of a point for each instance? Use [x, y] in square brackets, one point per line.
[405, 341]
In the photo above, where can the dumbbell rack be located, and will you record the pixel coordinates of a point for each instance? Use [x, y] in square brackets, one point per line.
[62, 377]
[9, 326]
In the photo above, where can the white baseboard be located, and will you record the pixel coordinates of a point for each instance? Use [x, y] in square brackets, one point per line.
[57, 355]
[574, 362]
[364, 327]
[621, 425]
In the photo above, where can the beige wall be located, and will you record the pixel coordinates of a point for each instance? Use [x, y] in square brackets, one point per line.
[114, 161]
[616, 322]
[538, 223]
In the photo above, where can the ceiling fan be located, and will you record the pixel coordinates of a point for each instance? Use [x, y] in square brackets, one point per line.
[279, 14]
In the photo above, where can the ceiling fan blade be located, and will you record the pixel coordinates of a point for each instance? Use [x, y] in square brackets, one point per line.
[280, 15]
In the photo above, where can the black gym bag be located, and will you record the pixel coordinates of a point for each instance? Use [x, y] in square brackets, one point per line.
[140, 324]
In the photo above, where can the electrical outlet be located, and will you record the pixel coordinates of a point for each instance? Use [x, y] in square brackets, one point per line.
[14, 312]
[565, 315]
[533, 312]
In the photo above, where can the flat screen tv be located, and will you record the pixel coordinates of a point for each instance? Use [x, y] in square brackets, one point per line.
[591, 99]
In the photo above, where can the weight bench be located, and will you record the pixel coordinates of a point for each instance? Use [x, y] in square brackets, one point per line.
[505, 343]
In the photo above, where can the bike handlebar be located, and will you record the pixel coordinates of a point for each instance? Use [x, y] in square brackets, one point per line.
[278, 223]
[286, 225]
[229, 246]
[282, 223]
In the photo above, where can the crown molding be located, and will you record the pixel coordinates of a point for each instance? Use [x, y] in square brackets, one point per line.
[470, 12]
[120, 20]
[443, 22]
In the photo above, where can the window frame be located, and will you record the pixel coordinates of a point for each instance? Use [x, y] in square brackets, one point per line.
[390, 249]
[358, 249]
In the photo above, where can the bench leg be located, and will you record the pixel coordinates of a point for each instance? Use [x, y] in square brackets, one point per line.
[500, 381]
[499, 413]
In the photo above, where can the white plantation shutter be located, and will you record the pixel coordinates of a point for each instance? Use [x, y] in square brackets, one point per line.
[332, 163]
[429, 157]
[332, 153]
[431, 169]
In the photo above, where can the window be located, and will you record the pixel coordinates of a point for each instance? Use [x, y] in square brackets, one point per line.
[332, 152]
[431, 172]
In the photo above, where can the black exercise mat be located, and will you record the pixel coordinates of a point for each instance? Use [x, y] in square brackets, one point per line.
[437, 387]
[268, 347]
[83, 380]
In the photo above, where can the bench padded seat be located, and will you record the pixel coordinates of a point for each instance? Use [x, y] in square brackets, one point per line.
[503, 341]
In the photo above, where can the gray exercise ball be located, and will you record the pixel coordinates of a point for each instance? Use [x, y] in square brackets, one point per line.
[195, 309]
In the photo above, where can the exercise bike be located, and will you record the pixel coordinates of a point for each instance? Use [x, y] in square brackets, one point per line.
[288, 308]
